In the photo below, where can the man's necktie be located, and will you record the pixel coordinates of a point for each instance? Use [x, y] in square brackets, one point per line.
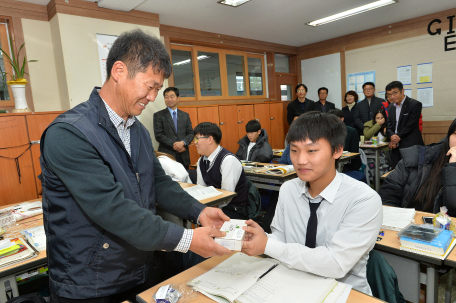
[175, 120]
[311, 235]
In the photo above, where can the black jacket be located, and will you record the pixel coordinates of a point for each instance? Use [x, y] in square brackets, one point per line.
[361, 112]
[402, 184]
[352, 145]
[295, 108]
[349, 117]
[408, 129]
[328, 106]
[260, 152]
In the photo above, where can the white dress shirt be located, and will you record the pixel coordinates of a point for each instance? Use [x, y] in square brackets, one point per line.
[349, 219]
[231, 169]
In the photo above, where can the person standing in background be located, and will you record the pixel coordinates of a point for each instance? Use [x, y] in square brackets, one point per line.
[351, 98]
[322, 105]
[300, 105]
[366, 108]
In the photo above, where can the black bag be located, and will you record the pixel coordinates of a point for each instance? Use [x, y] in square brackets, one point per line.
[28, 298]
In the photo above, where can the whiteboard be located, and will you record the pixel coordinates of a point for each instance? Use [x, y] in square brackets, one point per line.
[323, 71]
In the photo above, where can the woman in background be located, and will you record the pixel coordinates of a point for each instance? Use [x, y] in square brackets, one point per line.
[351, 98]
[425, 178]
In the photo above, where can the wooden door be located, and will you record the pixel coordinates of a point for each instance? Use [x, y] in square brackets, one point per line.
[245, 113]
[277, 137]
[262, 115]
[228, 125]
[284, 83]
[36, 124]
[208, 114]
[193, 113]
[17, 182]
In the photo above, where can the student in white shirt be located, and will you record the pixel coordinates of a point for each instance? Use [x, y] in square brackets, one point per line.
[348, 217]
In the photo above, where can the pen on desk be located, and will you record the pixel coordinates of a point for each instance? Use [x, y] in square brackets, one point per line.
[269, 270]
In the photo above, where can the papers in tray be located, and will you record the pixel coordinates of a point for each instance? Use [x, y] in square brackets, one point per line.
[236, 280]
[396, 218]
[26, 252]
[200, 192]
[36, 237]
[281, 170]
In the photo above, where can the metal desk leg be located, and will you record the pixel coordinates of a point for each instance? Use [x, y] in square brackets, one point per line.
[377, 170]
[432, 282]
[449, 285]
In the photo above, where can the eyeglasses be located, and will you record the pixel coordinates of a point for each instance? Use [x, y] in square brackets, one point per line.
[197, 138]
[393, 94]
[300, 90]
[368, 89]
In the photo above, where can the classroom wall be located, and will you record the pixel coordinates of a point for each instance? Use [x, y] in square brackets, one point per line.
[385, 58]
[43, 75]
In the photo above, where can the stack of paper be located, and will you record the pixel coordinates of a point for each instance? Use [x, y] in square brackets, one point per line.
[281, 170]
[200, 192]
[35, 236]
[25, 252]
[395, 218]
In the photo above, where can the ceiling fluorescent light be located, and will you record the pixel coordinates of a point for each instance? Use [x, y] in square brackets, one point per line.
[189, 60]
[234, 3]
[352, 12]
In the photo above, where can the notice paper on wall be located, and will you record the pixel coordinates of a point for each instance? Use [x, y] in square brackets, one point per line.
[404, 74]
[424, 73]
[356, 81]
[381, 95]
[408, 92]
[105, 43]
[426, 96]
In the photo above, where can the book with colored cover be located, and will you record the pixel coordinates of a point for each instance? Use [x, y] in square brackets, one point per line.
[25, 252]
[281, 170]
[244, 279]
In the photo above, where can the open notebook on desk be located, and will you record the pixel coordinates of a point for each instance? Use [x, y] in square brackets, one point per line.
[396, 218]
[236, 280]
[200, 192]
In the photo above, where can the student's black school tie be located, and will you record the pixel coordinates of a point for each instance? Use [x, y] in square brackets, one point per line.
[311, 235]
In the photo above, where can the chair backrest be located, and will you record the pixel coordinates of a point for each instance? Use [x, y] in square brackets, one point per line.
[157, 153]
[253, 201]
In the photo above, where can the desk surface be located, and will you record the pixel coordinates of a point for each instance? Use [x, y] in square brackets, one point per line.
[370, 146]
[348, 156]
[40, 260]
[386, 175]
[390, 244]
[214, 200]
[197, 270]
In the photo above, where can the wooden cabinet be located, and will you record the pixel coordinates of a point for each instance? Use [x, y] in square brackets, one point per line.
[262, 115]
[244, 114]
[19, 158]
[228, 125]
[277, 135]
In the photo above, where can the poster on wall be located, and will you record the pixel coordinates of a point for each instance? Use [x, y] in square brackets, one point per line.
[408, 92]
[424, 73]
[426, 96]
[404, 74]
[381, 95]
[104, 43]
[356, 80]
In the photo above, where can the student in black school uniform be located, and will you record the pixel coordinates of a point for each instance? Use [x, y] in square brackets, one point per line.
[425, 178]
[322, 105]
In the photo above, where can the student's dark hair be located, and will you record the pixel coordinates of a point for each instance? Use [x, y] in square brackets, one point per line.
[337, 112]
[369, 83]
[252, 126]
[394, 84]
[381, 111]
[174, 89]
[430, 189]
[323, 88]
[208, 129]
[139, 51]
[317, 125]
[300, 85]
[352, 93]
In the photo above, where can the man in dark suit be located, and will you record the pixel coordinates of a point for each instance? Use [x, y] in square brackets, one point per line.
[322, 105]
[300, 105]
[366, 109]
[402, 127]
[173, 128]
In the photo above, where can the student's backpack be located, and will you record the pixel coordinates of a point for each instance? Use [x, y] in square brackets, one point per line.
[253, 201]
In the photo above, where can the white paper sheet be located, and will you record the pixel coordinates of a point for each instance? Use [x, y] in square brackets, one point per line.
[424, 73]
[426, 96]
[404, 74]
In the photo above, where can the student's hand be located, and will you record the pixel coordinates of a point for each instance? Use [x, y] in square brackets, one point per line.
[256, 239]
[381, 121]
[213, 217]
[204, 245]
[452, 154]
[178, 146]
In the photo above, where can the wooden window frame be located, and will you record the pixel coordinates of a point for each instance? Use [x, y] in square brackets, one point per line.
[4, 41]
[223, 73]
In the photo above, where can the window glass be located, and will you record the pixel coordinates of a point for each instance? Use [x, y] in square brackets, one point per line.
[282, 64]
[285, 92]
[235, 74]
[183, 72]
[4, 95]
[209, 74]
[255, 76]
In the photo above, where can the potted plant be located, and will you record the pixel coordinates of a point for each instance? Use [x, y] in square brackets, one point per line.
[17, 82]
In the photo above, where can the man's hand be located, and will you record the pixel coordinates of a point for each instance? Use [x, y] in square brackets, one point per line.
[204, 245]
[452, 154]
[213, 217]
[395, 139]
[255, 240]
[179, 146]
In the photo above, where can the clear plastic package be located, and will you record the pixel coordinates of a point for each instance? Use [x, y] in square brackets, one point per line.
[423, 232]
[173, 293]
[442, 220]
